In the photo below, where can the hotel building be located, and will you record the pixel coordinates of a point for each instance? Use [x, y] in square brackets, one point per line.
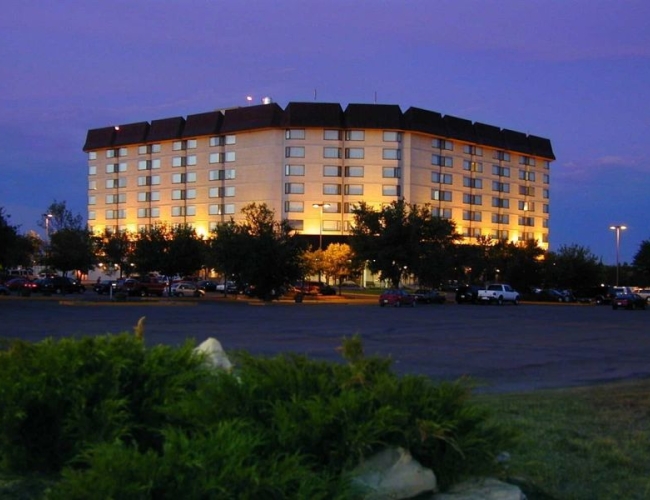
[311, 163]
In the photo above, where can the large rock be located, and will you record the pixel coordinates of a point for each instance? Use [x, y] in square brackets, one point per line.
[215, 356]
[393, 474]
[481, 489]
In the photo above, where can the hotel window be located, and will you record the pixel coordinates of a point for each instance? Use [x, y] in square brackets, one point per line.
[391, 190]
[355, 135]
[116, 183]
[527, 160]
[149, 180]
[331, 152]
[442, 144]
[92, 170]
[500, 219]
[92, 215]
[115, 198]
[149, 164]
[294, 188]
[179, 161]
[546, 164]
[500, 187]
[354, 153]
[331, 189]
[472, 166]
[354, 171]
[500, 202]
[112, 153]
[472, 150]
[439, 195]
[391, 172]
[113, 168]
[546, 178]
[545, 223]
[472, 199]
[294, 152]
[443, 213]
[116, 214]
[501, 155]
[184, 178]
[500, 234]
[526, 221]
[92, 155]
[331, 225]
[526, 175]
[183, 194]
[149, 196]
[332, 135]
[500, 171]
[294, 206]
[472, 215]
[149, 149]
[334, 208]
[442, 161]
[92, 200]
[527, 190]
[353, 189]
[216, 158]
[391, 154]
[182, 211]
[221, 192]
[222, 140]
[294, 133]
[230, 156]
[298, 170]
[526, 206]
[391, 136]
[331, 171]
[546, 194]
[526, 236]
[439, 178]
[220, 175]
[148, 212]
[296, 225]
[545, 208]
[183, 145]
[472, 232]
[468, 182]
[92, 185]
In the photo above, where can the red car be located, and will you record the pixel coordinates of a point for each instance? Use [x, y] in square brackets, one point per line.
[19, 284]
[628, 301]
[396, 297]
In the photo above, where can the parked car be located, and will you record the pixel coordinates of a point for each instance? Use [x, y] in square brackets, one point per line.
[427, 296]
[600, 295]
[21, 284]
[645, 293]
[186, 289]
[553, 295]
[396, 297]
[60, 285]
[229, 287]
[105, 286]
[629, 301]
[467, 293]
[207, 285]
[4, 290]
[498, 293]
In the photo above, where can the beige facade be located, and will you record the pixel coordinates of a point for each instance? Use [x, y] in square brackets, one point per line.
[314, 173]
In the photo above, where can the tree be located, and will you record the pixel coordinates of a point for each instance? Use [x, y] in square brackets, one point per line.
[149, 249]
[642, 261]
[572, 267]
[261, 252]
[8, 241]
[57, 217]
[185, 252]
[339, 263]
[401, 239]
[115, 249]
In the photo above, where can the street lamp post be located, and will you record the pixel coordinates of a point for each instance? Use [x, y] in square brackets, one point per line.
[47, 225]
[617, 229]
[321, 206]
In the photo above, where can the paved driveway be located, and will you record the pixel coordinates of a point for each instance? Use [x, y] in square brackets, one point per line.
[505, 348]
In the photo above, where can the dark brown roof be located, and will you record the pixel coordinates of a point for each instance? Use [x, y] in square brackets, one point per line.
[166, 130]
[326, 115]
[386, 116]
[252, 117]
[313, 114]
[203, 124]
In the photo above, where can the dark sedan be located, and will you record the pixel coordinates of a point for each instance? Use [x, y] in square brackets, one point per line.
[426, 296]
[629, 301]
[60, 285]
[467, 293]
[105, 286]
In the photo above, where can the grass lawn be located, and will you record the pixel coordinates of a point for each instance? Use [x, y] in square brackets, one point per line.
[586, 443]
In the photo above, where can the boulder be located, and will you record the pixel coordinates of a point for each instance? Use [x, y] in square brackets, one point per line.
[215, 356]
[393, 474]
[481, 489]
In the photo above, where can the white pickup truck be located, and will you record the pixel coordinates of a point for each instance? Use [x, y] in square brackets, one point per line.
[498, 294]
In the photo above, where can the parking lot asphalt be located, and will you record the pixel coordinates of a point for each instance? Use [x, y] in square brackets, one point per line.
[502, 348]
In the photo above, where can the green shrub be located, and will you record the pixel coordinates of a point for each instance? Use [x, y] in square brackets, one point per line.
[128, 421]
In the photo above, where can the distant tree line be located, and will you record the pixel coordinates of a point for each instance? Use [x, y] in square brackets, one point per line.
[396, 243]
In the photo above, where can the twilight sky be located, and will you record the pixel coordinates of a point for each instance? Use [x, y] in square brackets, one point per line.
[574, 71]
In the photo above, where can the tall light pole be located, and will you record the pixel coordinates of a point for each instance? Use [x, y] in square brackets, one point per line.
[321, 206]
[47, 225]
[617, 229]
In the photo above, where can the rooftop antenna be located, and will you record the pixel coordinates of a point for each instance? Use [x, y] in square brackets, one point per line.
[314, 94]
